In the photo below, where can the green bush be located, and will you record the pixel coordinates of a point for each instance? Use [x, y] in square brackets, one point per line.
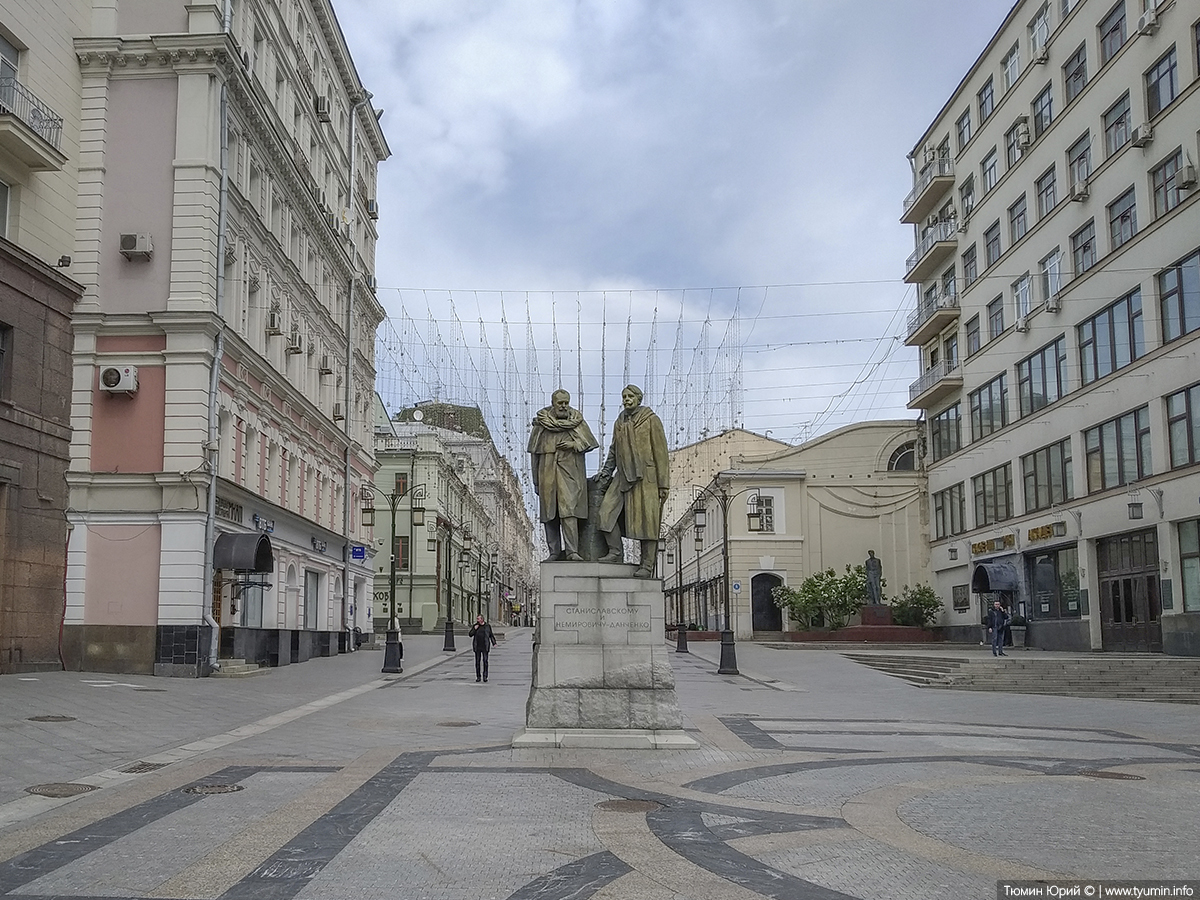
[824, 598]
[918, 606]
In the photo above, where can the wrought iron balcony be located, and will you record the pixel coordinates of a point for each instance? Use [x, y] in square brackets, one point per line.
[931, 317]
[938, 381]
[29, 129]
[935, 247]
[932, 183]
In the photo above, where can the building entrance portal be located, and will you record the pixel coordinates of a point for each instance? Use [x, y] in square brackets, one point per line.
[764, 614]
[1130, 610]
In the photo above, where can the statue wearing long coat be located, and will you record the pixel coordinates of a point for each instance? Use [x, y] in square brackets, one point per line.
[639, 467]
[559, 474]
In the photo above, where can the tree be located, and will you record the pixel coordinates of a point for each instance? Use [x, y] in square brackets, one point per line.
[918, 606]
[825, 596]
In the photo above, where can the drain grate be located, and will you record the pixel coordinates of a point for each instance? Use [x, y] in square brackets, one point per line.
[457, 723]
[139, 768]
[60, 789]
[1115, 776]
[151, 690]
[51, 718]
[629, 806]
[213, 789]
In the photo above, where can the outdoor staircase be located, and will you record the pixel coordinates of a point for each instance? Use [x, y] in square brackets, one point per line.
[237, 668]
[1167, 679]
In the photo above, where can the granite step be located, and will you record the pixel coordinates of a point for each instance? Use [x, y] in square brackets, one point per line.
[237, 668]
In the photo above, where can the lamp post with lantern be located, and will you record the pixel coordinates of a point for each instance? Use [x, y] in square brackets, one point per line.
[393, 649]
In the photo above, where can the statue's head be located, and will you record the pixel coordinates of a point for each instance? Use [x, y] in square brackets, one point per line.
[631, 396]
[560, 401]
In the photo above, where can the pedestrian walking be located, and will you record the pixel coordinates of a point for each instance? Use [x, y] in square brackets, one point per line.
[997, 626]
[482, 640]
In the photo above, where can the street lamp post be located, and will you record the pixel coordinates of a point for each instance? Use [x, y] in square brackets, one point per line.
[681, 645]
[393, 649]
[448, 644]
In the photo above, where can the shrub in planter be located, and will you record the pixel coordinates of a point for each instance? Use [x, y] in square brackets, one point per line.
[825, 597]
[918, 606]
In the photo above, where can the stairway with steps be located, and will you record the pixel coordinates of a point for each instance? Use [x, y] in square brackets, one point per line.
[1166, 679]
[237, 668]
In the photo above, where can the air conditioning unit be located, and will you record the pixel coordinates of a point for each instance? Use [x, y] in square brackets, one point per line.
[373, 208]
[1053, 303]
[1186, 177]
[1148, 21]
[321, 107]
[1142, 135]
[964, 224]
[1042, 56]
[370, 279]
[1022, 324]
[118, 379]
[137, 246]
[326, 367]
[338, 412]
[1024, 139]
[274, 322]
[295, 343]
[1079, 189]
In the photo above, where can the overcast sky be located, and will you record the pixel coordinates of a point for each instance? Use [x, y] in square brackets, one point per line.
[625, 149]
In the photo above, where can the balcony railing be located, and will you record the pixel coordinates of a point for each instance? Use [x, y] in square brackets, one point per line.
[945, 302]
[933, 376]
[940, 170]
[19, 101]
[936, 243]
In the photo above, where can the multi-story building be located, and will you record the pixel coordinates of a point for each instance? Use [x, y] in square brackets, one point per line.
[464, 541]
[224, 356]
[1057, 224]
[793, 512]
[39, 154]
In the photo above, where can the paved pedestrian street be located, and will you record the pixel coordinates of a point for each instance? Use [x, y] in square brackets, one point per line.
[815, 778]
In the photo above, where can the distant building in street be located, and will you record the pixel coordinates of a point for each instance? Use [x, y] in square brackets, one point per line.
[1057, 225]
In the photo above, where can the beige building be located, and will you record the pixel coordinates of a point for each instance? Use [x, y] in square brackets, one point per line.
[822, 504]
[1057, 229]
[224, 355]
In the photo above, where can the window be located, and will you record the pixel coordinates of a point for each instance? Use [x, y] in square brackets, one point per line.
[1122, 219]
[1112, 33]
[1039, 31]
[987, 101]
[401, 484]
[1011, 65]
[1183, 426]
[945, 433]
[1162, 84]
[1043, 111]
[1165, 182]
[1047, 476]
[949, 288]
[949, 512]
[1042, 377]
[1179, 288]
[312, 591]
[1116, 126]
[991, 244]
[1013, 145]
[764, 505]
[989, 407]
[987, 171]
[995, 313]
[1111, 339]
[1118, 452]
[1051, 273]
[966, 197]
[973, 343]
[1083, 248]
[1054, 575]
[1079, 159]
[1022, 296]
[6, 337]
[1075, 74]
[993, 495]
[904, 458]
[1189, 563]
[1047, 192]
[1017, 221]
[970, 266]
[963, 129]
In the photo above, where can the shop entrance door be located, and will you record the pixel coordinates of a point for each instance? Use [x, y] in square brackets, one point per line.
[1130, 611]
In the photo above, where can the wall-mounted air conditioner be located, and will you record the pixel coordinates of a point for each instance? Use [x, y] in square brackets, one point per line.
[137, 245]
[338, 413]
[321, 108]
[1079, 189]
[1186, 177]
[326, 367]
[119, 379]
[373, 208]
[1022, 324]
[1024, 138]
[1042, 56]
[274, 322]
[1142, 135]
[295, 343]
[1148, 21]
[1053, 303]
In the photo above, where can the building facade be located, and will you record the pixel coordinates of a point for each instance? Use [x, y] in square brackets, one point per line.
[39, 153]
[224, 356]
[792, 512]
[1057, 228]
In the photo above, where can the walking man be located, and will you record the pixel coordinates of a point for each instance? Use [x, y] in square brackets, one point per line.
[482, 640]
[997, 621]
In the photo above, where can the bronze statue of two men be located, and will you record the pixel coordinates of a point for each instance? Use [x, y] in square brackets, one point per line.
[635, 478]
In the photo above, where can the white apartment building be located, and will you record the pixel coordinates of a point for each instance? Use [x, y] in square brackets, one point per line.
[1057, 223]
[224, 345]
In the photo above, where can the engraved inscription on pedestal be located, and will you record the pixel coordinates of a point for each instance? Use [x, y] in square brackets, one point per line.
[598, 621]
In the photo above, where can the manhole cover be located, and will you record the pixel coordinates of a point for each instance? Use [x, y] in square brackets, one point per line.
[629, 806]
[140, 767]
[60, 789]
[1115, 776]
[457, 723]
[51, 718]
[213, 789]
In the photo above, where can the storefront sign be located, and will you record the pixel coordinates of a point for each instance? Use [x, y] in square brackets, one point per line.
[1041, 533]
[994, 545]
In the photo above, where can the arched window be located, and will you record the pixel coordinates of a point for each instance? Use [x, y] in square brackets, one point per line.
[904, 459]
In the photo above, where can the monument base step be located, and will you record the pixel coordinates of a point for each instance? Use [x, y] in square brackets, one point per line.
[602, 739]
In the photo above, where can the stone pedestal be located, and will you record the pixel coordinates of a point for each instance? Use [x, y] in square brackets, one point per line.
[601, 672]
[876, 614]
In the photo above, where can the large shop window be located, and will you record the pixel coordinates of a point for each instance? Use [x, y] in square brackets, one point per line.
[1189, 563]
[1055, 579]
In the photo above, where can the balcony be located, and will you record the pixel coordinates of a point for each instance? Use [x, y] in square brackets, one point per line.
[29, 130]
[936, 246]
[932, 183]
[931, 317]
[938, 382]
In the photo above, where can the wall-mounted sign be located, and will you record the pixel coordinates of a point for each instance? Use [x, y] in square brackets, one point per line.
[267, 526]
[358, 552]
[1041, 533]
[995, 544]
[226, 509]
[319, 546]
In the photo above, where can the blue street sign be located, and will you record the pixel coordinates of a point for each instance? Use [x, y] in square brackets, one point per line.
[358, 552]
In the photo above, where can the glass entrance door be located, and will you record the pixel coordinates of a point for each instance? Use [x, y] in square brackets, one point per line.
[1130, 610]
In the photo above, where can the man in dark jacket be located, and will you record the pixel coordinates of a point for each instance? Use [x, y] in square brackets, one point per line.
[997, 621]
[482, 640]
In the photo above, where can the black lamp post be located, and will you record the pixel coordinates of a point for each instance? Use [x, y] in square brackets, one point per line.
[681, 645]
[393, 649]
[448, 644]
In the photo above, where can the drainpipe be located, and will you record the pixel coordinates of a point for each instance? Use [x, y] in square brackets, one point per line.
[214, 381]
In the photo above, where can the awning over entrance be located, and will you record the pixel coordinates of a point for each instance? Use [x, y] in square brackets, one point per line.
[244, 552]
[990, 577]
